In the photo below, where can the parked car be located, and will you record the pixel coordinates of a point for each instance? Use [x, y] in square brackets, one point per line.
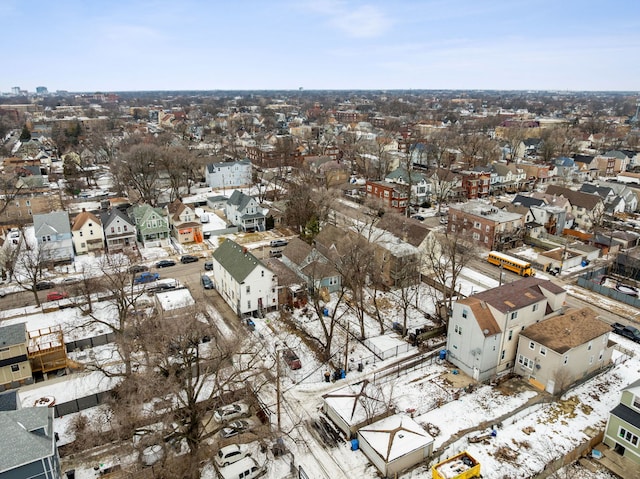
[245, 468]
[630, 332]
[418, 217]
[279, 242]
[57, 295]
[187, 258]
[165, 263]
[208, 265]
[206, 282]
[230, 454]
[41, 285]
[236, 427]
[146, 277]
[291, 359]
[138, 268]
[231, 412]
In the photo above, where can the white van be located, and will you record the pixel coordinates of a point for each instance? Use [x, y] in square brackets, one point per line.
[246, 468]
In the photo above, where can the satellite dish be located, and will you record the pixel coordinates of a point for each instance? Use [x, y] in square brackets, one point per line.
[485, 331]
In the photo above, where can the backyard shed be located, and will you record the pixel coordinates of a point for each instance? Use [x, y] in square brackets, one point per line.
[395, 444]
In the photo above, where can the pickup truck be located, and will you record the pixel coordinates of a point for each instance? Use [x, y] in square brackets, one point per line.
[146, 277]
[630, 332]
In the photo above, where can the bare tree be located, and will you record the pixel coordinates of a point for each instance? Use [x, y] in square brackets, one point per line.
[139, 169]
[31, 259]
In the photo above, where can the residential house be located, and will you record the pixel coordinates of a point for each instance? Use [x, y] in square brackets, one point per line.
[29, 449]
[292, 289]
[230, 174]
[613, 202]
[483, 330]
[242, 280]
[552, 217]
[628, 194]
[217, 202]
[15, 368]
[119, 230]
[152, 225]
[53, 233]
[183, 223]
[445, 185]
[607, 165]
[395, 444]
[510, 178]
[622, 433]
[587, 168]
[556, 352]
[476, 184]
[391, 195]
[244, 212]
[587, 209]
[87, 233]
[29, 201]
[420, 187]
[540, 174]
[327, 171]
[486, 225]
[567, 170]
[316, 270]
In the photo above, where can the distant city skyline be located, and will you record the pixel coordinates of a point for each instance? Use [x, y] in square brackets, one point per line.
[133, 45]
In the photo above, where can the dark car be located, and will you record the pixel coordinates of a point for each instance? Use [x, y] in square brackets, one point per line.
[291, 359]
[418, 217]
[208, 265]
[44, 285]
[206, 282]
[138, 268]
[189, 259]
[165, 263]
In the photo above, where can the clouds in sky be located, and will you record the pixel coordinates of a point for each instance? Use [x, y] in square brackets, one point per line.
[323, 44]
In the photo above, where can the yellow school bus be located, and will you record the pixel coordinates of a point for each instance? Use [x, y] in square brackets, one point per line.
[523, 268]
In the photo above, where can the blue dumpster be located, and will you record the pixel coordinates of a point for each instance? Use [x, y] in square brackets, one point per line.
[325, 311]
[354, 444]
[443, 354]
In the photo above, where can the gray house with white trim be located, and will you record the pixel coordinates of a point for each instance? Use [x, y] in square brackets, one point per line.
[29, 447]
[53, 233]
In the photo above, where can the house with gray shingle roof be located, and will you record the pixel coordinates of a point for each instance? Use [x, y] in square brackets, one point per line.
[183, 223]
[482, 334]
[243, 281]
[152, 225]
[586, 208]
[29, 449]
[53, 233]
[244, 212]
[119, 230]
[15, 368]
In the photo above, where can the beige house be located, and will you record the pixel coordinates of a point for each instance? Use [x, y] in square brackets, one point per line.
[14, 363]
[183, 223]
[87, 233]
[557, 352]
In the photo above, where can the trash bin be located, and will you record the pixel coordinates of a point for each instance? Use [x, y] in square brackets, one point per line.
[443, 354]
[325, 311]
[71, 474]
[355, 444]
[327, 377]
[336, 375]
[360, 367]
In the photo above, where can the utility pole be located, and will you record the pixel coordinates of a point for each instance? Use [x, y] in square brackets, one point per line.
[278, 387]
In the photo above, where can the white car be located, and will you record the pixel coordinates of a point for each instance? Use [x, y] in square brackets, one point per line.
[230, 454]
[231, 412]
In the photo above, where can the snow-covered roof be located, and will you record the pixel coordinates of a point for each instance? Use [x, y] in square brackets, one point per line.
[355, 403]
[175, 299]
[395, 436]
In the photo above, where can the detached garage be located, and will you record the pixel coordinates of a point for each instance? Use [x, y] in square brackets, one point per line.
[395, 443]
[354, 406]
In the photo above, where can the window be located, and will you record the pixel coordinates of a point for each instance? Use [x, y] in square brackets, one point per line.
[590, 359]
[487, 228]
[249, 304]
[590, 345]
[81, 234]
[565, 360]
[636, 402]
[464, 313]
[15, 368]
[510, 335]
[476, 224]
[543, 351]
[532, 345]
[601, 356]
[459, 329]
[502, 355]
[535, 307]
[525, 362]
[28, 203]
[333, 281]
[476, 236]
[248, 289]
[262, 273]
[628, 436]
[514, 315]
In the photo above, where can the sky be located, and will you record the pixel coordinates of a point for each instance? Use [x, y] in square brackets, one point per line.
[124, 45]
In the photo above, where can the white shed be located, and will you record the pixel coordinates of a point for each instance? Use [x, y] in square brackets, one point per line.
[395, 444]
[355, 405]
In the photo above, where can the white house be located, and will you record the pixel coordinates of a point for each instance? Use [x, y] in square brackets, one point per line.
[244, 212]
[420, 187]
[53, 233]
[87, 233]
[246, 284]
[482, 335]
[232, 174]
[395, 444]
